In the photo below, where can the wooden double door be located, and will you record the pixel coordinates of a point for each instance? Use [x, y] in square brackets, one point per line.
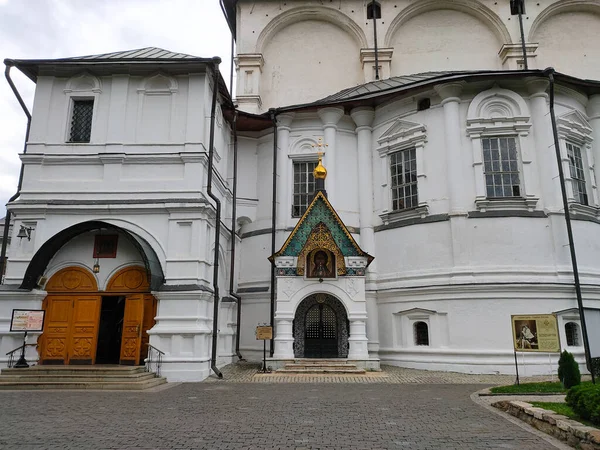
[81, 326]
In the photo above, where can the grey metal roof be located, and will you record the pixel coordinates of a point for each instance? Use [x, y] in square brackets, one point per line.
[379, 86]
[152, 53]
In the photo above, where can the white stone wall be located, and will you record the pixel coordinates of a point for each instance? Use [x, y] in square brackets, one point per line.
[302, 50]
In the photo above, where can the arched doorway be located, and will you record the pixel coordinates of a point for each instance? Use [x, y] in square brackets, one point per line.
[86, 326]
[321, 328]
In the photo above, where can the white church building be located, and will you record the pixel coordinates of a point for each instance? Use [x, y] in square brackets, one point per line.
[383, 188]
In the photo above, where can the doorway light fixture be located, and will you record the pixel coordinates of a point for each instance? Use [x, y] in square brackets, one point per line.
[25, 232]
[96, 268]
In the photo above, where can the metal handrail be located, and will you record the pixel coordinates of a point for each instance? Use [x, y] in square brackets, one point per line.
[151, 361]
[11, 354]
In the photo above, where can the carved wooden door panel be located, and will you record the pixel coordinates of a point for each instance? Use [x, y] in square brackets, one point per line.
[84, 329]
[148, 322]
[55, 338]
[132, 329]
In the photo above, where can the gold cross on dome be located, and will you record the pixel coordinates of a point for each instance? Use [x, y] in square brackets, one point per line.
[320, 145]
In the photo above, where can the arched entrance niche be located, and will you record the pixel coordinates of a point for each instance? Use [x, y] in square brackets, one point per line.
[321, 328]
[85, 325]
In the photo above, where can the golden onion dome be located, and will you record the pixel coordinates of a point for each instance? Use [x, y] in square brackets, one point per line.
[320, 172]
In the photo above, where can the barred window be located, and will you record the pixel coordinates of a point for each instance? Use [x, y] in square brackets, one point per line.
[421, 333]
[572, 332]
[577, 173]
[304, 186]
[501, 167]
[403, 165]
[81, 121]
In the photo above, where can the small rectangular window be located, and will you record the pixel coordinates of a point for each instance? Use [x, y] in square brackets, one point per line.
[81, 121]
[403, 166]
[304, 186]
[501, 167]
[577, 173]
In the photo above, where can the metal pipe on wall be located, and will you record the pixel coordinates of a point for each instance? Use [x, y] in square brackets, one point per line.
[273, 114]
[9, 64]
[233, 224]
[213, 108]
[586, 343]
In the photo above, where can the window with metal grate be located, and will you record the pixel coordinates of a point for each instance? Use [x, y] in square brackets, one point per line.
[81, 121]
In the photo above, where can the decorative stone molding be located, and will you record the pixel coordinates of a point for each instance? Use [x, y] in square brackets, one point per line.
[356, 262]
[512, 56]
[158, 84]
[559, 8]
[330, 116]
[500, 112]
[403, 135]
[83, 83]
[384, 58]
[286, 261]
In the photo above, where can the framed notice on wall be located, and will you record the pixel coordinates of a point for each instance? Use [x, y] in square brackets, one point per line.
[535, 333]
[105, 246]
[27, 320]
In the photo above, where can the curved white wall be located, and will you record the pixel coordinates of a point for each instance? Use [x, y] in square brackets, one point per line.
[293, 75]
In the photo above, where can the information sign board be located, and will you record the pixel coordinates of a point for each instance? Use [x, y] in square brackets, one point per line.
[27, 320]
[264, 333]
[535, 333]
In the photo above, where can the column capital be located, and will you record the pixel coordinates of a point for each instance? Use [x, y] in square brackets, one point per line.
[330, 116]
[450, 92]
[284, 120]
[363, 116]
[537, 87]
[249, 60]
[593, 107]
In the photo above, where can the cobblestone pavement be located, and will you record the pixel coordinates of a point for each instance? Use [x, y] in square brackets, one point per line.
[248, 372]
[256, 416]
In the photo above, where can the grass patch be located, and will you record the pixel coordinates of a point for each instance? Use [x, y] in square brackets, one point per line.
[546, 387]
[564, 409]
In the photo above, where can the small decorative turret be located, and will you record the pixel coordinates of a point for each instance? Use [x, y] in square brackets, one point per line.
[320, 172]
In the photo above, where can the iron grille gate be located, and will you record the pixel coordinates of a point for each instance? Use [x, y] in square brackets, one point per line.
[321, 339]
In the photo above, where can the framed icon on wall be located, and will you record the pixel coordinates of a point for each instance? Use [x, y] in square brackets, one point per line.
[105, 246]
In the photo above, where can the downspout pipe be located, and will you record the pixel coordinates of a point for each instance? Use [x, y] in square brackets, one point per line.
[211, 144]
[233, 237]
[9, 64]
[375, 41]
[586, 343]
[273, 114]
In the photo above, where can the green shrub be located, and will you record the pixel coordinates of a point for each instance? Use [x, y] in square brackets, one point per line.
[568, 370]
[585, 401]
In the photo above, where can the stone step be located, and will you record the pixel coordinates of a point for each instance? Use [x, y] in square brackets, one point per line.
[323, 369]
[298, 365]
[82, 385]
[75, 370]
[44, 378]
[320, 361]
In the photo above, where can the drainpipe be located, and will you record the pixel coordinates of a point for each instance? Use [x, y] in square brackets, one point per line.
[586, 343]
[517, 7]
[233, 224]
[213, 358]
[9, 64]
[273, 114]
[375, 40]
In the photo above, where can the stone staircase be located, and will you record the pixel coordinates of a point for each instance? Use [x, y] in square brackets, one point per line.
[321, 366]
[124, 378]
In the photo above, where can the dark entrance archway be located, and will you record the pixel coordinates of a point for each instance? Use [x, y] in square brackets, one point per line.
[321, 328]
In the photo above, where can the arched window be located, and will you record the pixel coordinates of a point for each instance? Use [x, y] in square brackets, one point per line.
[421, 333]
[373, 11]
[572, 332]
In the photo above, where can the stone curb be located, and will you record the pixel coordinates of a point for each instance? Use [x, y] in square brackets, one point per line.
[570, 431]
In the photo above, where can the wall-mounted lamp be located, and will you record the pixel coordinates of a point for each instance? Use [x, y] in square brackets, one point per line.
[25, 232]
[96, 268]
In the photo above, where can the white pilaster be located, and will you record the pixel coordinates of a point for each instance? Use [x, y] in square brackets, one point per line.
[544, 144]
[363, 118]
[284, 121]
[358, 338]
[330, 118]
[284, 339]
[248, 67]
[450, 95]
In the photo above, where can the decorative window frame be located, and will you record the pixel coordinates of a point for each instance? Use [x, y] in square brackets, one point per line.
[146, 89]
[81, 87]
[500, 112]
[303, 149]
[404, 326]
[403, 135]
[573, 127]
[564, 317]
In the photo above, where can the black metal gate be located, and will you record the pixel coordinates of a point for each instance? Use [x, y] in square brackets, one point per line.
[321, 337]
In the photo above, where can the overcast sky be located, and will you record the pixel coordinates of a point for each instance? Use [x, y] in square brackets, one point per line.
[64, 28]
